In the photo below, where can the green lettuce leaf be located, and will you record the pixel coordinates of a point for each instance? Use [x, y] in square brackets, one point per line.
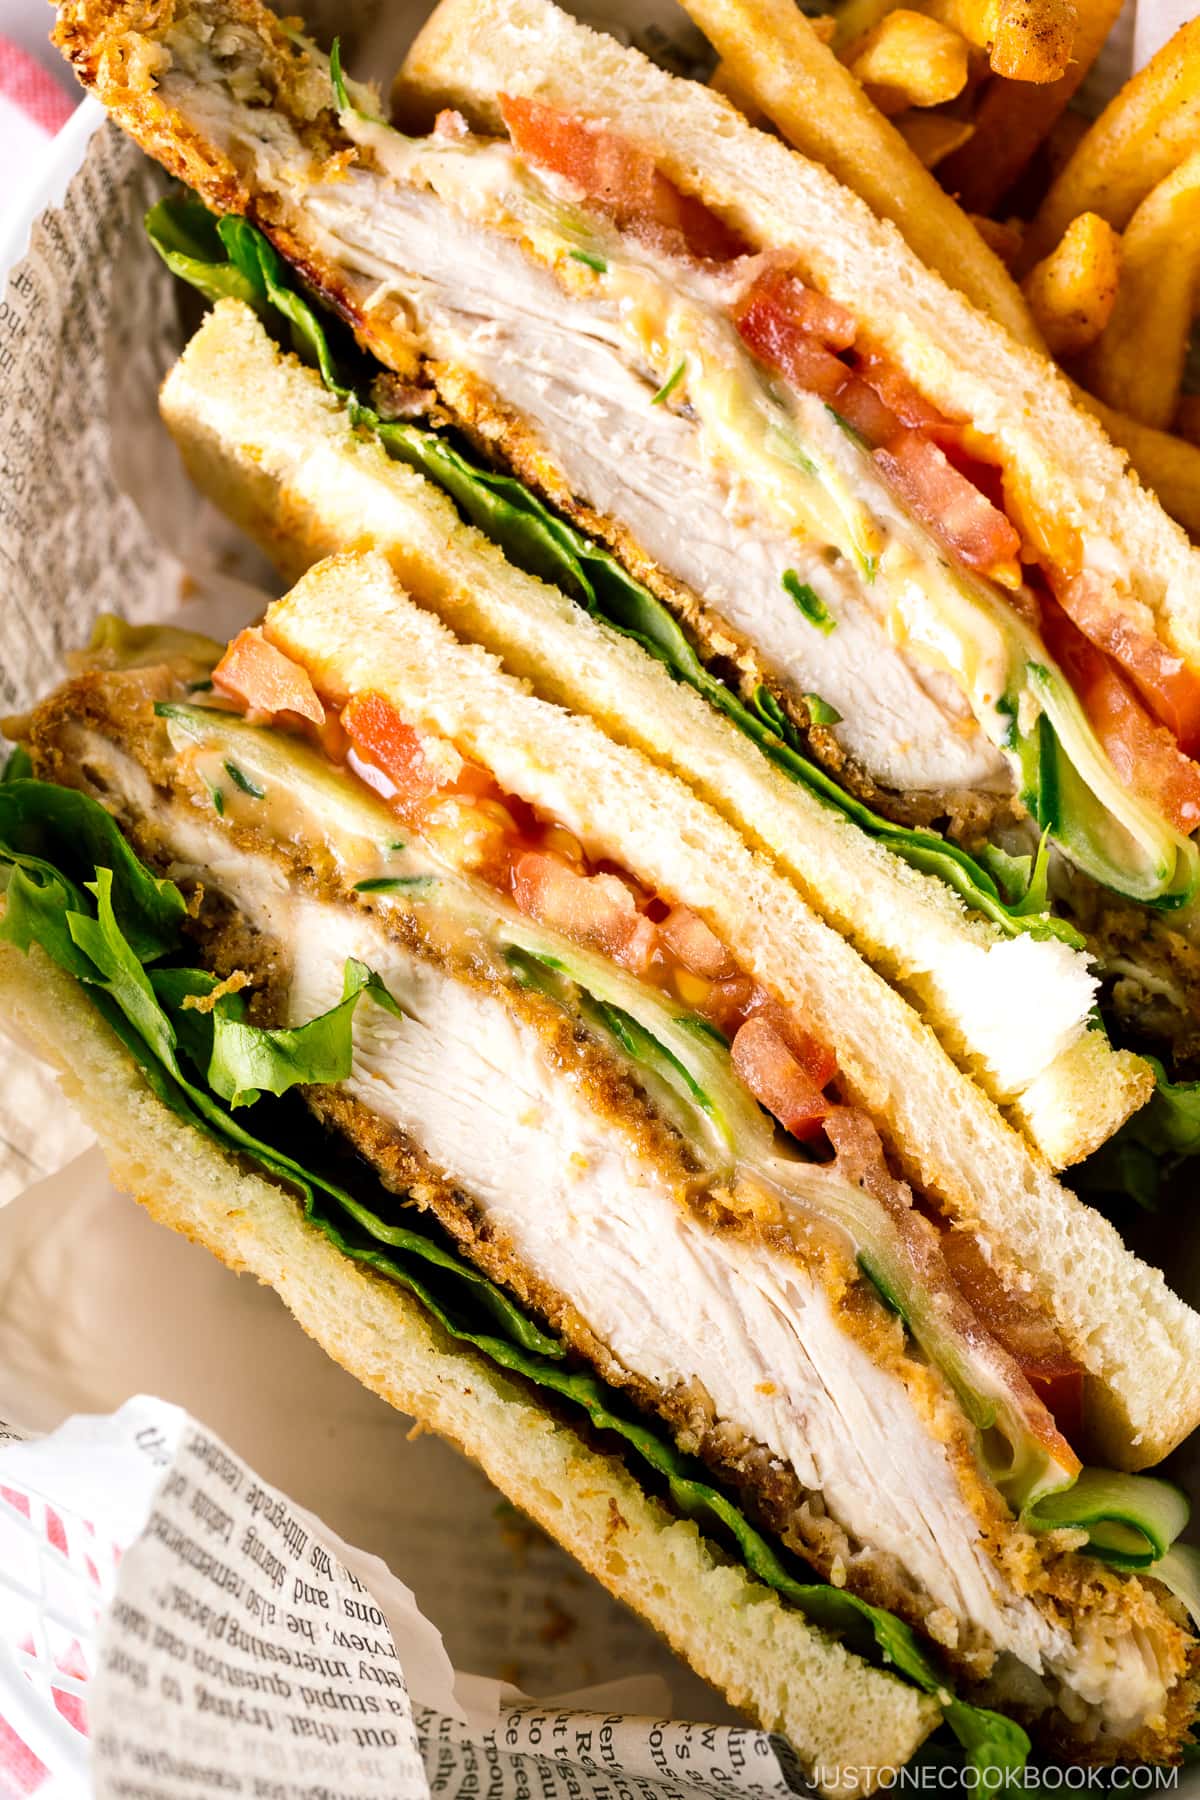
[42, 825]
[19, 766]
[99, 919]
[537, 540]
[185, 235]
[1141, 1163]
[250, 1060]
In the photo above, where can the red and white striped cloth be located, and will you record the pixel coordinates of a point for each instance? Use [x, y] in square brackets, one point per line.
[33, 105]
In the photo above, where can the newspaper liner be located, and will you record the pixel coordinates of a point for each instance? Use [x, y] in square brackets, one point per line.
[230, 1643]
[96, 515]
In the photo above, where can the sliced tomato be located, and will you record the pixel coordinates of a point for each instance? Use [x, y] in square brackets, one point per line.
[860, 1158]
[1144, 753]
[698, 949]
[1021, 1328]
[795, 331]
[415, 766]
[265, 680]
[1163, 679]
[595, 910]
[798, 307]
[777, 1079]
[618, 178]
[814, 1057]
[728, 1003]
[897, 392]
[858, 403]
[951, 506]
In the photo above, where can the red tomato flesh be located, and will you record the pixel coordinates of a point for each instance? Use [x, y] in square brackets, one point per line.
[953, 508]
[778, 1080]
[264, 680]
[1143, 753]
[698, 948]
[777, 322]
[596, 910]
[1164, 681]
[1020, 1328]
[621, 180]
[383, 738]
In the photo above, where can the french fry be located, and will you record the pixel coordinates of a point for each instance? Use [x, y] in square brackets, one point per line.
[1013, 117]
[910, 60]
[1168, 464]
[1026, 40]
[1004, 236]
[932, 136]
[1187, 418]
[725, 82]
[1137, 365]
[776, 58]
[1144, 133]
[1033, 40]
[854, 18]
[1072, 292]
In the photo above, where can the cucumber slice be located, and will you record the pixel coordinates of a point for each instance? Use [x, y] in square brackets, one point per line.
[1109, 832]
[1179, 1570]
[1131, 1520]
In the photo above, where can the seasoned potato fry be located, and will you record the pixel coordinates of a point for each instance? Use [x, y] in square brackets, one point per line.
[1033, 39]
[910, 60]
[775, 57]
[932, 136]
[1187, 418]
[1166, 463]
[1004, 235]
[1013, 117]
[1138, 363]
[1072, 291]
[1026, 40]
[1144, 133]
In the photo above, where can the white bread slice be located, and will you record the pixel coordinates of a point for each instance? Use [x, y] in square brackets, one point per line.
[470, 51]
[179, 75]
[265, 441]
[846, 1720]
[351, 623]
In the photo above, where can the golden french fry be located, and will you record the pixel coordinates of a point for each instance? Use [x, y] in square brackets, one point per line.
[1013, 117]
[1166, 463]
[775, 57]
[725, 82]
[1144, 133]
[910, 60]
[1138, 363]
[1187, 418]
[932, 136]
[854, 18]
[1003, 235]
[1072, 291]
[1026, 40]
[1033, 40]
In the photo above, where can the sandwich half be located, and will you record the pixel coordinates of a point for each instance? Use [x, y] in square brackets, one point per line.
[484, 1038]
[868, 528]
[260, 434]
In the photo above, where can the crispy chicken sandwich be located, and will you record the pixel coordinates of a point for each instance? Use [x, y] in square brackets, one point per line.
[871, 531]
[559, 1118]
